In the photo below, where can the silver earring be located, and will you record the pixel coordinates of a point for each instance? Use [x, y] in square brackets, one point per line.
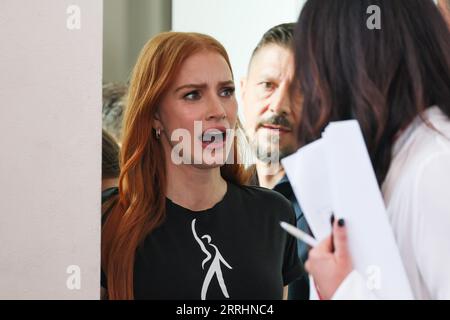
[158, 133]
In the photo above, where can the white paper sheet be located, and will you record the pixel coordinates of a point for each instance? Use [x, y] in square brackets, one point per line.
[308, 174]
[334, 174]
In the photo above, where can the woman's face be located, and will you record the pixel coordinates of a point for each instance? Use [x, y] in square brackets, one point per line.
[197, 110]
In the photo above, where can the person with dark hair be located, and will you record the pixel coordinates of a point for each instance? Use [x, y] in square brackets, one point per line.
[272, 117]
[396, 82]
[110, 165]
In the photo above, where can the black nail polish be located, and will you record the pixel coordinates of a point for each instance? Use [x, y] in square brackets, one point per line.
[332, 219]
[341, 222]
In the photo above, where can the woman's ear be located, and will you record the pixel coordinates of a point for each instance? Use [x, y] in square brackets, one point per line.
[157, 124]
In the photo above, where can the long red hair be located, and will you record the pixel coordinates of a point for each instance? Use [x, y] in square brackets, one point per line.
[140, 205]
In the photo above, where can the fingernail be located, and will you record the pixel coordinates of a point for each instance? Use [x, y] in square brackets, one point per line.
[341, 222]
[332, 219]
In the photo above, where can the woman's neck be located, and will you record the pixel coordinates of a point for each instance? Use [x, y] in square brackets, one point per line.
[195, 188]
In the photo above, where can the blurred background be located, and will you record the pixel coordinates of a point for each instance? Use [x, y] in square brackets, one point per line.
[127, 25]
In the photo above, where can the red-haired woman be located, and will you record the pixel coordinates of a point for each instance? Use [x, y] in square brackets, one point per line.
[190, 229]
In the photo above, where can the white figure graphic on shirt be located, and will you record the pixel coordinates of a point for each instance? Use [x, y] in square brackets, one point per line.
[214, 267]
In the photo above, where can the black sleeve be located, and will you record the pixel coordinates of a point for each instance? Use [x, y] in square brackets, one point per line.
[109, 200]
[292, 266]
[103, 280]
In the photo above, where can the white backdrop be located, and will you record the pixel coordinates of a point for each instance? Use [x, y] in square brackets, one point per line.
[237, 24]
[50, 139]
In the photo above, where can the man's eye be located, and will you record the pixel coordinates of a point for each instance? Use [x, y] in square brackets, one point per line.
[191, 96]
[267, 85]
[227, 92]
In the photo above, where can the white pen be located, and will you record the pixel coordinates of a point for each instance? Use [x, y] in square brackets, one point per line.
[299, 234]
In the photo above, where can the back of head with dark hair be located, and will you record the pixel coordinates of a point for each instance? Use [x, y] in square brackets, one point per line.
[110, 156]
[383, 78]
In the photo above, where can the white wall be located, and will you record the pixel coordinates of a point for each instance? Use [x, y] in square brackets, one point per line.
[50, 140]
[237, 24]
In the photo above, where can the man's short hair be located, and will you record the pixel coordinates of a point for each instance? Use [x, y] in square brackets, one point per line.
[282, 35]
[113, 108]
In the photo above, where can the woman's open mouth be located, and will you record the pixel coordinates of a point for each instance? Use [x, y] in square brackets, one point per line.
[214, 137]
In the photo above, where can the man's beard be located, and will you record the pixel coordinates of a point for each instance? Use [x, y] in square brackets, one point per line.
[267, 146]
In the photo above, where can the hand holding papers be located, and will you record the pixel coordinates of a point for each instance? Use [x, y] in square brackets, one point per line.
[334, 174]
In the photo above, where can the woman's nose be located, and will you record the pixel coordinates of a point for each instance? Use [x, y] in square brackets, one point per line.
[216, 110]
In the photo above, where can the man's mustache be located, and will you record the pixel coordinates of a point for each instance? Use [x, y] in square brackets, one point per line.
[277, 120]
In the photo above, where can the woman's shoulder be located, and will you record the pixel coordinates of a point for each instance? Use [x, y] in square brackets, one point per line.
[422, 145]
[254, 191]
[433, 134]
[263, 199]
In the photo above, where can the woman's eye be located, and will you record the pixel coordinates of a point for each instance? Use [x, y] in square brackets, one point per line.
[227, 92]
[191, 96]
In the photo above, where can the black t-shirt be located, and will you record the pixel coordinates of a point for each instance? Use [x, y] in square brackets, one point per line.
[234, 250]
